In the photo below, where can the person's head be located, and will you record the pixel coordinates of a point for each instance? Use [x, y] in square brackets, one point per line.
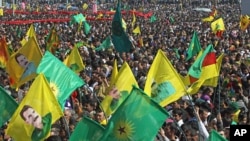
[177, 114]
[99, 116]
[21, 60]
[30, 116]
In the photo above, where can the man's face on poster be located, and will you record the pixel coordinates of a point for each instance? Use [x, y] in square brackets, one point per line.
[22, 61]
[33, 118]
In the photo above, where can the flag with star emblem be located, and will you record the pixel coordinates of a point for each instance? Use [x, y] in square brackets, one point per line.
[194, 48]
[93, 131]
[63, 81]
[7, 106]
[130, 119]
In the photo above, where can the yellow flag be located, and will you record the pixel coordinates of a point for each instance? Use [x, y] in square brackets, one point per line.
[22, 65]
[244, 22]
[208, 19]
[30, 33]
[99, 16]
[124, 24]
[137, 30]
[163, 83]
[74, 60]
[217, 25]
[1, 11]
[124, 82]
[113, 76]
[134, 20]
[38, 110]
[85, 6]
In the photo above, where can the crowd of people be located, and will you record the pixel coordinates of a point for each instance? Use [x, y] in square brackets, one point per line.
[191, 118]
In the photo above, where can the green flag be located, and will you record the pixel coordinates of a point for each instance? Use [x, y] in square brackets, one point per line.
[194, 47]
[119, 38]
[87, 130]
[87, 27]
[153, 18]
[77, 19]
[7, 106]
[215, 136]
[130, 119]
[105, 44]
[62, 80]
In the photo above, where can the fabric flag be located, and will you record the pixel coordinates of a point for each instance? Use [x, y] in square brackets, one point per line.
[93, 131]
[87, 27]
[215, 136]
[8, 106]
[194, 47]
[52, 41]
[134, 20]
[114, 74]
[208, 19]
[62, 80]
[244, 22]
[171, 19]
[203, 68]
[77, 19]
[218, 27]
[214, 80]
[130, 119]
[119, 38]
[124, 76]
[153, 18]
[35, 114]
[195, 69]
[22, 65]
[99, 16]
[74, 60]
[163, 83]
[124, 24]
[1, 11]
[4, 54]
[30, 33]
[137, 30]
[85, 6]
[105, 44]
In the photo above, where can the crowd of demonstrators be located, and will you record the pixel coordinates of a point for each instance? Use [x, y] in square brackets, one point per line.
[192, 117]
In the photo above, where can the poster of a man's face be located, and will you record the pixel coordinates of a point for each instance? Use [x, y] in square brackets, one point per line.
[22, 60]
[30, 116]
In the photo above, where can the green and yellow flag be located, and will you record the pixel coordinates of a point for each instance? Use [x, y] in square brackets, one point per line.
[93, 131]
[124, 76]
[62, 80]
[22, 65]
[74, 60]
[163, 83]
[194, 47]
[36, 113]
[8, 106]
[130, 119]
